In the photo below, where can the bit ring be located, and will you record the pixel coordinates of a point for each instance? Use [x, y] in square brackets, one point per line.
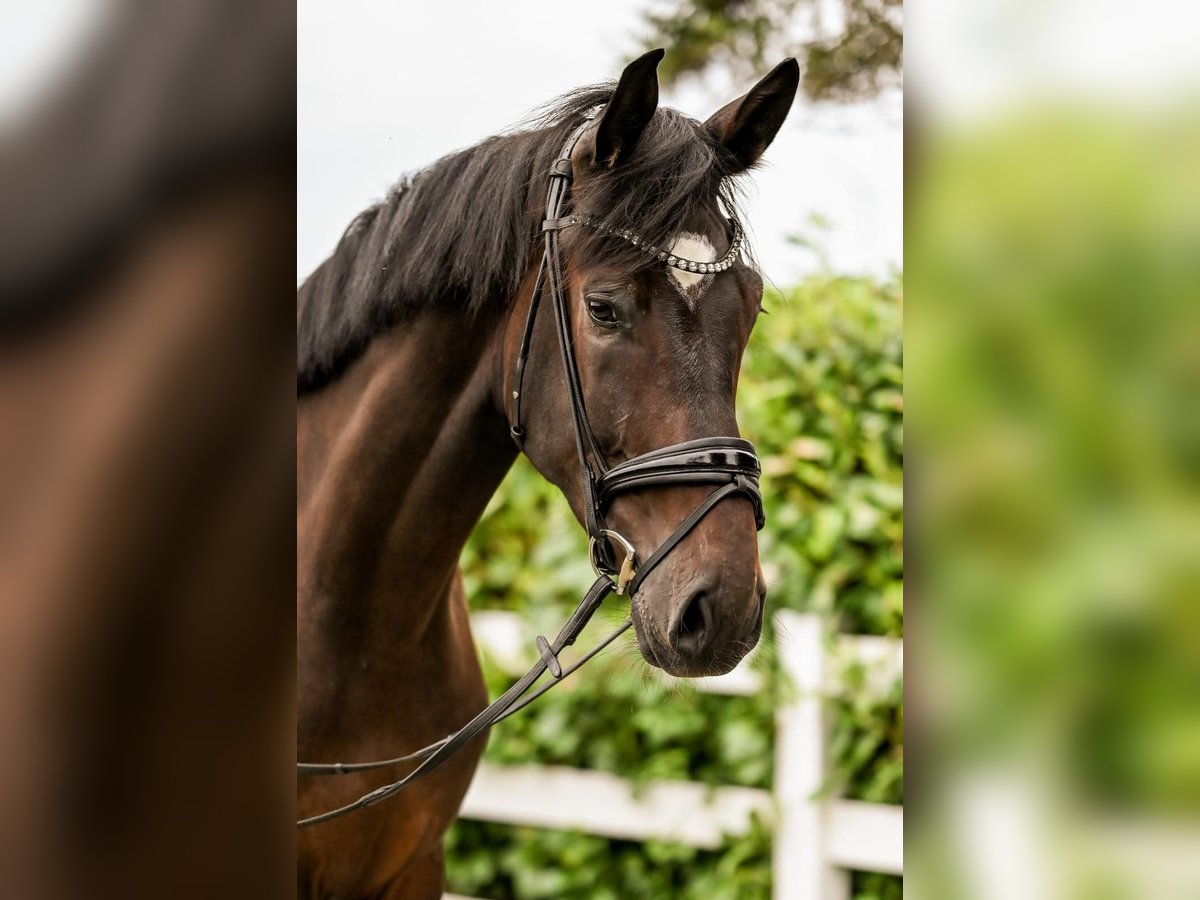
[627, 572]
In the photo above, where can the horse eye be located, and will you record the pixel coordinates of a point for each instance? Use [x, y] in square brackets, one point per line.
[602, 312]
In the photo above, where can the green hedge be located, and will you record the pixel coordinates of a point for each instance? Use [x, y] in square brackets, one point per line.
[821, 398]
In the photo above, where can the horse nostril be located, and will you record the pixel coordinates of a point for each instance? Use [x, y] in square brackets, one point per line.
[694, 627]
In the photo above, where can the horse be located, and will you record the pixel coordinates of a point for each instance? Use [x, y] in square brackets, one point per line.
[409, 337]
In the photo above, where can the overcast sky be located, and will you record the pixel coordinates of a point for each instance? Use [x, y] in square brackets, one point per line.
[386, 88]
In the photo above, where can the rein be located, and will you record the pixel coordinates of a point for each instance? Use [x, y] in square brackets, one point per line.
[728, 462]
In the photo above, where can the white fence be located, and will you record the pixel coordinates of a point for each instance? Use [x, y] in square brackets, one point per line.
[816, 841]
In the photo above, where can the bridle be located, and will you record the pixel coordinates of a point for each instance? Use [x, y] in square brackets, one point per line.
[730, 463]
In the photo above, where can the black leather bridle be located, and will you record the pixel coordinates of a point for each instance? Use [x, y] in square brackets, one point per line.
[730, 463]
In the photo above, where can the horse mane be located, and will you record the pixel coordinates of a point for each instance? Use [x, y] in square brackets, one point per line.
[460, 234]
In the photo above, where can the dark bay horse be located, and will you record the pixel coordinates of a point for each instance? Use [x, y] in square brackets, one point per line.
[408, 334]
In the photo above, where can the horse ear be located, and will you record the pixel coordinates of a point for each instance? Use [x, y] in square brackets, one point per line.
[629, 111]
[747, 126]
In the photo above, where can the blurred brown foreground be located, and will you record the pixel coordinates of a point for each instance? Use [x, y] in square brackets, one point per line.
[146, 462]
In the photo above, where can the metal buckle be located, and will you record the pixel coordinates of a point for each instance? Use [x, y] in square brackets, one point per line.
[626, 574]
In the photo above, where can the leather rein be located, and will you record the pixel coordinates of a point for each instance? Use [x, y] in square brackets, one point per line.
[730, 463]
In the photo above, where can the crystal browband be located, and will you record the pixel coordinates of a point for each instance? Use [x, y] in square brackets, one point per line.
[678, 262]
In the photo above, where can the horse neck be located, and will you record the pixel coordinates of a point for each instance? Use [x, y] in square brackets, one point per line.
[397, 461]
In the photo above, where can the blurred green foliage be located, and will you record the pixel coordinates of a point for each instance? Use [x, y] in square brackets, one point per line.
[504, 863]
[1056, 356]
[820, 395]
[1059, 342]
[746, 37]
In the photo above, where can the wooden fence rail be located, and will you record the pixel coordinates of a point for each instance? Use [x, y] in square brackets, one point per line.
[816, 840]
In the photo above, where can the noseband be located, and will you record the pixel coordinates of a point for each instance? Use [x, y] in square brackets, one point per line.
[730, 463]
